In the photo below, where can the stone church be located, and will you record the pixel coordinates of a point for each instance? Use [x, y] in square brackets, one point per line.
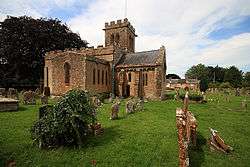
[115, 68]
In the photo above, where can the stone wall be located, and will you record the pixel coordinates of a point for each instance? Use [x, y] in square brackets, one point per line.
[149, 86]
[81, 62]
[104, 69]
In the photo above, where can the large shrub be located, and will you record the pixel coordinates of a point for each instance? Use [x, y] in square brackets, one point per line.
[225, 85]
[169, 95]
[65, 123]
[192, 97]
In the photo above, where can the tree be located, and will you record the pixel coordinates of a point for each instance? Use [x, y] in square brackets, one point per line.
[197, 72]
[246, 81]
[234, 76]
[216, 74]
[23, 44]
[203, 85]
[173, 76]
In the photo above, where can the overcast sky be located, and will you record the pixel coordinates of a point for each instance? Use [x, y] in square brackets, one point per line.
[213, 32]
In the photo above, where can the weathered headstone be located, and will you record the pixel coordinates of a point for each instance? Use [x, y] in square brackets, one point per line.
[244, 104]
[29, 97]
[96, 101]
[217, 143]
[186, 128]
[237, 92]
[12, 93]
[96, 129]
[115, 110]
[110, 98]
[44, 100]
[129, 106]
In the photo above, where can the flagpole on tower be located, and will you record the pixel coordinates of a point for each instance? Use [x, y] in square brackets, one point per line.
[125, 11]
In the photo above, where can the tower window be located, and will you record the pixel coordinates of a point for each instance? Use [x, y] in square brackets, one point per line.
[93, 76]
[112, 39]
[66, 73]
[117, 38]
[129, 77]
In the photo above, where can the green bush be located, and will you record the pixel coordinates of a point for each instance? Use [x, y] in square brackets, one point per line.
[65, 123]
[225, 85]
[103, 96]
[169, 95]
[192, 97]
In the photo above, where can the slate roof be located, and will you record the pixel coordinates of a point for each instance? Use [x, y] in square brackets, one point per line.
[140, 58]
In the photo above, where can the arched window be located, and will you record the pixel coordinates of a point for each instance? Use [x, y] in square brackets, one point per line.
[129, 77]
[67, 73]
[102, 77]
[131, 45]
[94, 76]
[106, 77]
[146, 82]
[98, 76]
[117, 38]
[112, 39]
[143, 79]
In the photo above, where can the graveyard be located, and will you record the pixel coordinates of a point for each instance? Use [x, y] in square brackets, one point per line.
[143, 138]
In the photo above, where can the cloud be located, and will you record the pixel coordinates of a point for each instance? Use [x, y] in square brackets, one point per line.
[183, 27]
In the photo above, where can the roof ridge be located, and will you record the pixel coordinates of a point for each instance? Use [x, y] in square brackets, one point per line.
[144, 51]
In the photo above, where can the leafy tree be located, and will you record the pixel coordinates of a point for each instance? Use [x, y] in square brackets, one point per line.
[216, 74]
[173, 76]
[203, 85]
[234, 76]
[23, 44]
[246, 81]
[197, 72]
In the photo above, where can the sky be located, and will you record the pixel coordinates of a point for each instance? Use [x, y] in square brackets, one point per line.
[212, 32]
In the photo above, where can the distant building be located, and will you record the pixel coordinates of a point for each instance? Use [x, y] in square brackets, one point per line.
[115, 68]
[192, 84]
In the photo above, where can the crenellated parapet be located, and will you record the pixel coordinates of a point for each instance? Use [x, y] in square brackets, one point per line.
[90, 51]
[119, 24]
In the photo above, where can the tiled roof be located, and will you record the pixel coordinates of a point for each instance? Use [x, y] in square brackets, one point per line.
[140, 58]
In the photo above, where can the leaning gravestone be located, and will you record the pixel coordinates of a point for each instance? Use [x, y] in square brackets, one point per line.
[115, 110]
[12, 93]
[29, 97]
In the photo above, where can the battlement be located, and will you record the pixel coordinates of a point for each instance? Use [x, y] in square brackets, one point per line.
[90, 51]
[118, 24]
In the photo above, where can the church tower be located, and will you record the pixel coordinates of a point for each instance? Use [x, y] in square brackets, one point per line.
[121, 34]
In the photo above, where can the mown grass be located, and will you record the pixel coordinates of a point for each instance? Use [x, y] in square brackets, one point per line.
[147, 138]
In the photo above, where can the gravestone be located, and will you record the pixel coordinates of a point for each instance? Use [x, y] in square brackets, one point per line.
[44, 100]
[237, 92]
[96, 101]
[115, 110]
[129, 106]
[29, 97]
[12, 93]
[244, 104]
[8, 104]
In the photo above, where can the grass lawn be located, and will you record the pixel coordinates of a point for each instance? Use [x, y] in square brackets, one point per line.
[147, 138]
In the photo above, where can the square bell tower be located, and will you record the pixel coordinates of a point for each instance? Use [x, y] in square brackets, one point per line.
[121, 34]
